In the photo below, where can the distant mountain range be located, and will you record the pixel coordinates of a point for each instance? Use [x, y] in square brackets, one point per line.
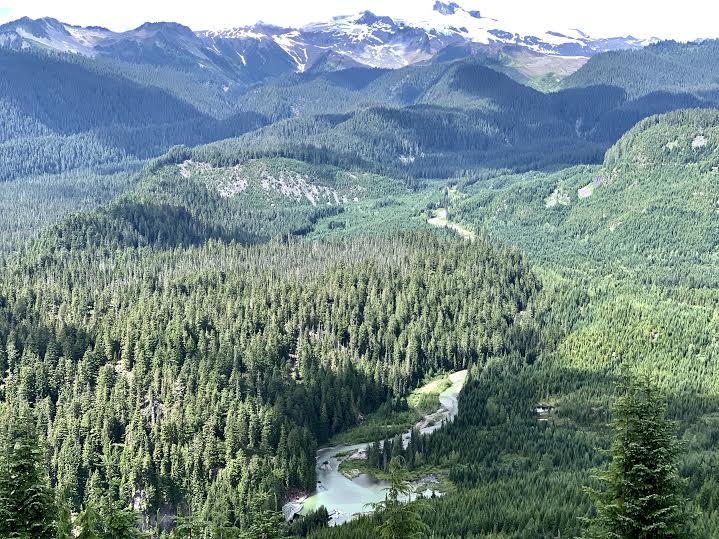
[254, 53]
[472, 102]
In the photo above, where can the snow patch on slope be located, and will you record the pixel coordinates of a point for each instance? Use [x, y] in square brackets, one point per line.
[293, 45]
[57, 40]
[412, 36]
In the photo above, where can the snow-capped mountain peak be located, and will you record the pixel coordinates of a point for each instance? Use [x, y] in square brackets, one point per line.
[362, 39]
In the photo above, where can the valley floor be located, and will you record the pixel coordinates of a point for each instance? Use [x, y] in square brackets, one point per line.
[347, 491]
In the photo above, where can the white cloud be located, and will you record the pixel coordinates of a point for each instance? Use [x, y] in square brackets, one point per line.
[643, 18]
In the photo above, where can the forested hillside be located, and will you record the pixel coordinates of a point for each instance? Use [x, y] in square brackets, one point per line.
[668, 66]
[73, 132]
[200, 380]
[615, 296]
[660, 78]
[462, 119]
[87, 119]
[104, 113]
[648, 211]
[30, 204]
[191, 196]
[61, 114]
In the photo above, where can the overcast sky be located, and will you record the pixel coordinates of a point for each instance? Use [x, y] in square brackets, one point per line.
[686, 20]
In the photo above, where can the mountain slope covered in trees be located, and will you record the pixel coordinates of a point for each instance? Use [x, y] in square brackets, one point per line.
[61, 114]
[640, 297]
[667, 66]
[260, 358]
[102, 114]
[179, 347]
[70, 118]
[650, 209]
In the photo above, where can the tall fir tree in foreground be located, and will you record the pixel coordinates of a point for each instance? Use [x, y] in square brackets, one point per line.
[27, 507]
[641, 497]
[400, 520]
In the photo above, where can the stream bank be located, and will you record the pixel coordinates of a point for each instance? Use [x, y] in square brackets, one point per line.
[345, 498]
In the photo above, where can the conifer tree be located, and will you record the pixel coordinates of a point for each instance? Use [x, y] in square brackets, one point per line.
[189, 527]
[120, 522]
[88, 522]
[27, 507]
[641, 496]
[64, 517]
[266, 525]
[400, 520]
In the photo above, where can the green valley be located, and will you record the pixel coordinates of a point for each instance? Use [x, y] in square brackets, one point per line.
[360, 278]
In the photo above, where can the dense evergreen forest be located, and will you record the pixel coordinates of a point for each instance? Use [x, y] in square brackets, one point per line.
[60, 114]
[648, 212]
[200, 288]
[667, 66]
[199, 380]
